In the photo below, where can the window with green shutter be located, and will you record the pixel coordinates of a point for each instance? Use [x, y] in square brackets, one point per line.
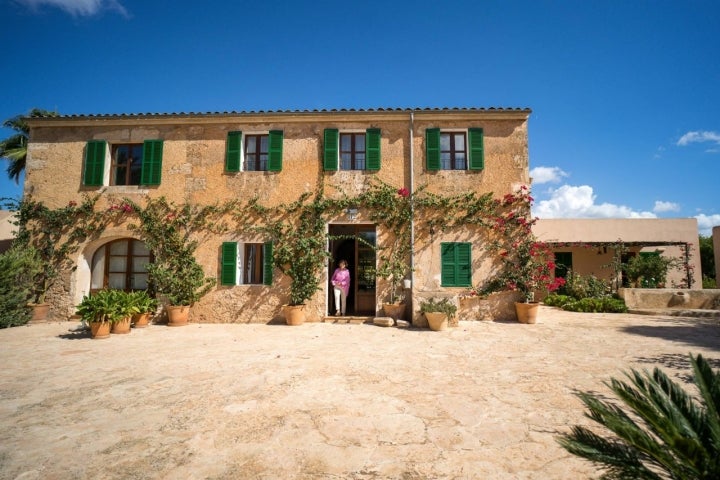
[351, 150]
[432, 149]
[372, 148]
[455, 264]
[267, 263]
[94, 168]
[477, 150]
[151, 162]
[275, 150]
[228, 263]
[255, 261]
[330, 149]
[233, 151]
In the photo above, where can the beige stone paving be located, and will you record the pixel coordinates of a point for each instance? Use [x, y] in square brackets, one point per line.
[483, 400]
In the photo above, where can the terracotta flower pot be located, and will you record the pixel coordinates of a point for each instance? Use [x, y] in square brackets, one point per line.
[437, 321]
[178, 315]
[99, 330]
[39, 312]
[141, 320]
[295, 314]
[527, 311]
[396, 311]
[121, 326]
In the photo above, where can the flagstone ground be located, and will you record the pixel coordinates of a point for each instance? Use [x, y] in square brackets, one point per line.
[209, 401]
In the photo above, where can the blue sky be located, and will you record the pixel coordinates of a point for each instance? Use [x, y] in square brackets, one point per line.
[625, 96]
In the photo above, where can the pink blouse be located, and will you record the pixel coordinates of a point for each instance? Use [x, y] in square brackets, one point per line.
[341, 278]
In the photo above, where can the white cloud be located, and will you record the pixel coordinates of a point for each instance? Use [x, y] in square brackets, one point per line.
[699, 137]
[83, 8]
[579, 202]
[661, 206]
[547, 175]
[706, 222]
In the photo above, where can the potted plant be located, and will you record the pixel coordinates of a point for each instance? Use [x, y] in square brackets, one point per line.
[527, 267]
[182, 282]
[124, 310]
[300, 252]
[394, 267]
[438, 312]
[145, 306]
[100, 311]
[175, 274]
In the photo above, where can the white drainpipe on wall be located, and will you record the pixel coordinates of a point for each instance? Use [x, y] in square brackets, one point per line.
[412, 203]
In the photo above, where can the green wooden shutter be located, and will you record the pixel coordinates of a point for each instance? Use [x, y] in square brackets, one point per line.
[372, 148]
[94, 163]
[455, 265]
[477, 150]
[330, 149]
[464, 274]
[275, 150]
[152, 162]
[233, 149]
[267, 263]
[228, 263]
[432, 149]
[447, 261]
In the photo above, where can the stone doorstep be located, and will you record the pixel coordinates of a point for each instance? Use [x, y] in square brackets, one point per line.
[347, 319]
[359, 320]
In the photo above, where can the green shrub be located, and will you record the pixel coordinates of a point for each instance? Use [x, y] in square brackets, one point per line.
[557, 300]
[708, 282]
[597, 305]
[648, 271]
[579, 286]
[18, 267]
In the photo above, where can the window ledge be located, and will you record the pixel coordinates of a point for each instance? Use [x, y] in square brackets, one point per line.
[127, 189]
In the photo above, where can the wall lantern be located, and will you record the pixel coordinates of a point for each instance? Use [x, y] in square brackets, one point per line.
[351, 213]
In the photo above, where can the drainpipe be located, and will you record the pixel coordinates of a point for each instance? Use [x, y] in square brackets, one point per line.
[412, 211]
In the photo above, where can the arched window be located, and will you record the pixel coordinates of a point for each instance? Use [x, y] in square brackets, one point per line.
[121, 265]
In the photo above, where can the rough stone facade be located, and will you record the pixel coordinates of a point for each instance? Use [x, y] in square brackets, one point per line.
[193, 170]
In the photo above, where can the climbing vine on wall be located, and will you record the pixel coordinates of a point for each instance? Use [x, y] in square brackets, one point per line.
[297, 229]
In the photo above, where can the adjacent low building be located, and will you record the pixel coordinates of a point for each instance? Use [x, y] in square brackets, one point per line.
[590, 246]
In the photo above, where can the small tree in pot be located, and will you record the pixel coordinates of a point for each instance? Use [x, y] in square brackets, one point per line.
[300, 252]
[175, 274]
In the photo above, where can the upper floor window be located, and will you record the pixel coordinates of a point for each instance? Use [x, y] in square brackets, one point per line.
[351, 150]
[254, 152]
[126, 166]
[123, 164]
[453, 154]
[454, 150]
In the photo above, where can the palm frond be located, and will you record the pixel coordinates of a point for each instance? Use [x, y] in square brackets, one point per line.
[667, 430]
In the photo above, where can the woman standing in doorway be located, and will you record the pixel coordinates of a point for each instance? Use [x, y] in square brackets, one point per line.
[341, 286]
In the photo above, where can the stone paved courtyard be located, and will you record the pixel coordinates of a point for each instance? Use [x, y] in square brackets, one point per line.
[208, 401]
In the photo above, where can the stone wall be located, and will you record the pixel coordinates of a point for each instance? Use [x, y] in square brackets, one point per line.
[660, 298]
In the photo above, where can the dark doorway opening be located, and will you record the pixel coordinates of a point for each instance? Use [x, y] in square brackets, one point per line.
[354, 244]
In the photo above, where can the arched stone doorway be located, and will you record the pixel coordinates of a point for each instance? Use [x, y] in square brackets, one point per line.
[120, 264]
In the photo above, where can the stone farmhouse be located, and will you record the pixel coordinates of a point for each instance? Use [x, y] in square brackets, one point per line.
[275, 157]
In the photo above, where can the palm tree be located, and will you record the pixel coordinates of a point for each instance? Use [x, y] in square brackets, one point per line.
[14, 148]
[668, 434]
